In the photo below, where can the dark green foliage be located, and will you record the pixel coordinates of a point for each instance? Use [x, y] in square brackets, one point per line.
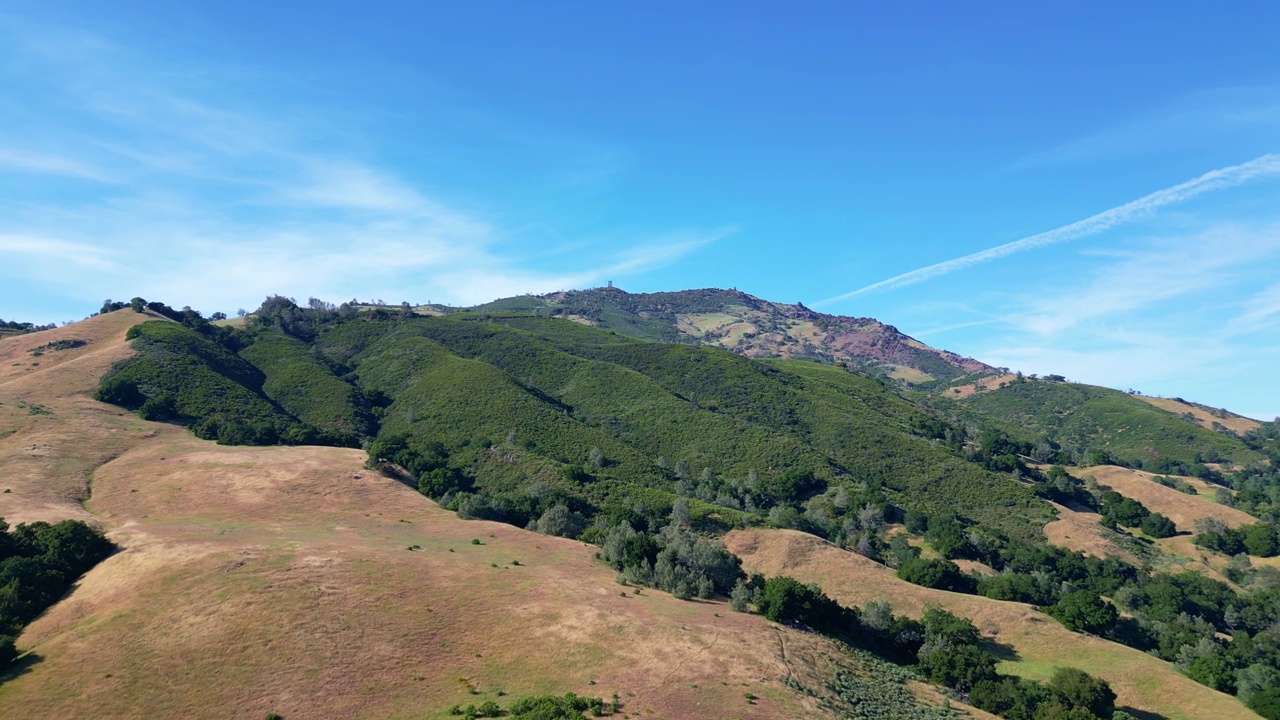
[939, 574]
[674, 560]
[8, 652]
[1078, 689]
[786, 600]
[553, 707]
[1266, 703]
[1158, 526]
[515, 404]
[1178, 484]
[946, 535]
[307, 388]
[950, 654]
[1257, 539]
[960, 667]
[1122, 510]
[1084, 611]
[38, 563]
[1010, 697]
[1020, 587]
[21, 328]
[58, 345]
[205, 383]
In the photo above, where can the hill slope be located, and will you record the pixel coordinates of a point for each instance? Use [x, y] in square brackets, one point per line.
[1097, 424]
[513, 414]
[1035, 644]
[280, 579]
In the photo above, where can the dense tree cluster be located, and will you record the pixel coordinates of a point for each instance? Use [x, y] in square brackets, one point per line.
[1257, 539]
[542, 707]
[23, 327]
[944, 648]
[1120, 510]
[38, 564]
[674, 559]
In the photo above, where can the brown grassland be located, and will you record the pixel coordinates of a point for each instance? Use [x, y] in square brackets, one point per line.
[254, 580]
[1181, 508]
[1078, 529]
[1033, 644]
[1233, 422]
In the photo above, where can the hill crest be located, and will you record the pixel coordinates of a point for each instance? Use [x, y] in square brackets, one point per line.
[751, 326]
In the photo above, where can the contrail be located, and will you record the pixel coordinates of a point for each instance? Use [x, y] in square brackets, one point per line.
[1226, 177]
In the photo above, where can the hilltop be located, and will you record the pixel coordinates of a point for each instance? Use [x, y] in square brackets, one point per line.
[749, 326]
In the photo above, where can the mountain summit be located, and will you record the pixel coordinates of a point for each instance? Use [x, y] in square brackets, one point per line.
[750, 326]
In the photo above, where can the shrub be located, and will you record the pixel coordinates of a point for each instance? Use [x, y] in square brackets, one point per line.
[939, 574]
[1079, 689]
[786, 600]
[1266, 703]
[1158, 526]
[1085, 611]
[960, 667]
[8, 653]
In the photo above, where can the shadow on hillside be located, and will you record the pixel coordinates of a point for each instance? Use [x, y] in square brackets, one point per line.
[1142, 714]
[20, 667]
[999, 650]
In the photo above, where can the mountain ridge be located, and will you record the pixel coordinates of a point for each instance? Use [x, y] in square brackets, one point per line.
[750, 326]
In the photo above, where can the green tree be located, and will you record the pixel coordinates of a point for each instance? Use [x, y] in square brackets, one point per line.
[787, 600]
[1260, 540]
[1158, 526]
[1085, 611]
[1077, 688]
[1254, 679]
[939, 574]
[1266, 703]
[960, 667]
[8, 653]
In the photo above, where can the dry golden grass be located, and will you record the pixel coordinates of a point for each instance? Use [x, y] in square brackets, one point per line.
[1079, 530]
[992, 382]
[1038, 643]
[255, 580]
[1181, 508]
[911, 375]
[1233, 422]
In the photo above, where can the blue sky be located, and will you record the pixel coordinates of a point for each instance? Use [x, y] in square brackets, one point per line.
[1086, 189]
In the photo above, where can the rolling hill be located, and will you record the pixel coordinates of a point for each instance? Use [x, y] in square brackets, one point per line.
[390, 512]
[253, 580]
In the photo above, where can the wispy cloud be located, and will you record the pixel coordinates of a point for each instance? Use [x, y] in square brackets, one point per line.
[48, 164]
[1197, 119]
[1209, 263]
[1235, 175]
[1261, 312]
[221, 200]
[52, 250]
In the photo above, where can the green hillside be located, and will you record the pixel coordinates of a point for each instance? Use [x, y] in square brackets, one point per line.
[505, 408]
[1110, 426]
